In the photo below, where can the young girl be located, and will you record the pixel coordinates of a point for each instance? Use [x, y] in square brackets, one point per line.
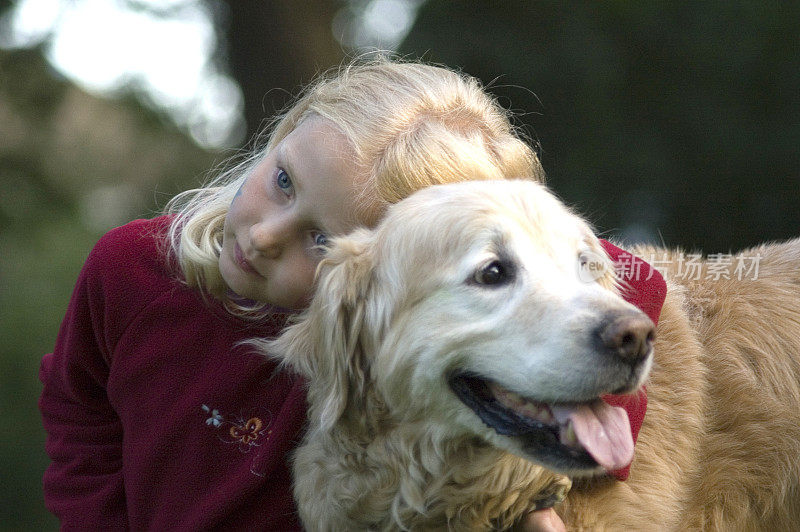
[156, 416]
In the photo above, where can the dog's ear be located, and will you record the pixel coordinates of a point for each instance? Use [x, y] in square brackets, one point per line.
[324, 344]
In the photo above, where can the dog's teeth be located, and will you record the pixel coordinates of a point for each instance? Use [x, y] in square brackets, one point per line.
[522, 406]
[571, 437]
[528, 410]
[539, 413]
[568, 436]
[545, 416]
[506, 397]
[514, 398]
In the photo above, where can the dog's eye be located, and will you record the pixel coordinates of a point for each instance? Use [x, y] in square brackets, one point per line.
[493, 273]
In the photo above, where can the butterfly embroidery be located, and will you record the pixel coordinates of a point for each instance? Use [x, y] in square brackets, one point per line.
[246, 432]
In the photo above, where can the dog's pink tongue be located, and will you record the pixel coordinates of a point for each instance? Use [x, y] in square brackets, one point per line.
[603, 430]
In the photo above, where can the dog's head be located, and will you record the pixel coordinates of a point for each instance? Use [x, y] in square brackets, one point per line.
[481, 309]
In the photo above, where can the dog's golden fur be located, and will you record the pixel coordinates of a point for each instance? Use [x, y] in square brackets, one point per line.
[719, 448]
[389, 447]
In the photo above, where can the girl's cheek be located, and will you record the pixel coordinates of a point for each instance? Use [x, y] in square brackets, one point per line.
[305, 296]
[304, 285]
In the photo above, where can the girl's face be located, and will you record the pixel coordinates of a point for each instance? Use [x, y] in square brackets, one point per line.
[301, 193]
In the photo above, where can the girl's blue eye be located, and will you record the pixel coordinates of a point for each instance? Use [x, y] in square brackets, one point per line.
[320, 240]
[283, 180]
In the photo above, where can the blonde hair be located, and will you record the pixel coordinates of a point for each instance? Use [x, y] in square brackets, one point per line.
[411, 125]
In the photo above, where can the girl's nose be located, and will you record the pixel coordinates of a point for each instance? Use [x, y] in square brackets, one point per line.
[270, 236]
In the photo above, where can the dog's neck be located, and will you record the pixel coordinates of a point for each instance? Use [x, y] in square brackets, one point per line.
[415, 465]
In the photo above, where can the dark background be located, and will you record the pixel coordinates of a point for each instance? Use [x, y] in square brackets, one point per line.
[673, 122]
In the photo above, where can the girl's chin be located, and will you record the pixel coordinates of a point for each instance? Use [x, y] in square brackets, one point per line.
[237, 281]
[247, 289]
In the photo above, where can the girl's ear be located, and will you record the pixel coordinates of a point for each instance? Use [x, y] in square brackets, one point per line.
[324, 345]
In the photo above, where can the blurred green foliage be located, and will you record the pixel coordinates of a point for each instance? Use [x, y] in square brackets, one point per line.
[59, 147]
[674, 119]
[35, 286]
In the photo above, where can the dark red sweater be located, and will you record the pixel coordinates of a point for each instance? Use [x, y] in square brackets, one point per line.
[155, 419]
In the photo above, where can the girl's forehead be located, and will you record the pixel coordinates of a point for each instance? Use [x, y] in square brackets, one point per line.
[319, 144]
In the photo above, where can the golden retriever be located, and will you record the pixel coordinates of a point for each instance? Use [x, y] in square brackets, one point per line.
[455, 356]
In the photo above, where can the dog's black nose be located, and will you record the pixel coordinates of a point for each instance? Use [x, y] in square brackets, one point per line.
[629, 336]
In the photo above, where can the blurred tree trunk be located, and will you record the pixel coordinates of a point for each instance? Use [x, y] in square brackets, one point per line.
[275, 47]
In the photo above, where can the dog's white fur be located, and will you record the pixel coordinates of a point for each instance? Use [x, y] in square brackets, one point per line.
[400, 308]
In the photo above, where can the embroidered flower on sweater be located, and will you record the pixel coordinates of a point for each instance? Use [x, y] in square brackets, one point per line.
[215, 418]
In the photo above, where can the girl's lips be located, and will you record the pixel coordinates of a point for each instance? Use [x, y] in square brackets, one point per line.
[241, 261]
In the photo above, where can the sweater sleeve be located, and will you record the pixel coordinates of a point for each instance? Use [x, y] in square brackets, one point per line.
[83, 485]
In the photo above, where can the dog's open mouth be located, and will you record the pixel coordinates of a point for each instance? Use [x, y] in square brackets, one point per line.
[566, 437]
